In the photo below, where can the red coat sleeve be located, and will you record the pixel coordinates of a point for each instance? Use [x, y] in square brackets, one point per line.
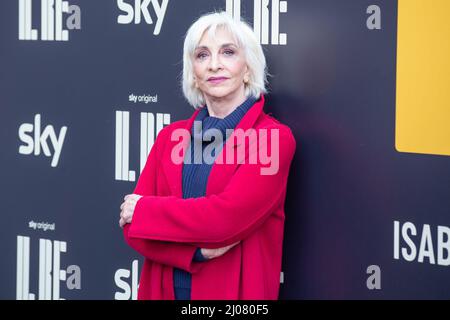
[220, 219]
[177, 255]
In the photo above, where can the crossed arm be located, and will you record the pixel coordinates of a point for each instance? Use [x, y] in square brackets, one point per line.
[229, 216]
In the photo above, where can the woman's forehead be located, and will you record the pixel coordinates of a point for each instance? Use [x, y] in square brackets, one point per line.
[222, 37]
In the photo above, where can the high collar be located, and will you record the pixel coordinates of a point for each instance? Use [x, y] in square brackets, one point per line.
[247, 121]
[203, 122]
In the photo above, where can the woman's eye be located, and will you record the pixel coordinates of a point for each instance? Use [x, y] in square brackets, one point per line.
[201, 55]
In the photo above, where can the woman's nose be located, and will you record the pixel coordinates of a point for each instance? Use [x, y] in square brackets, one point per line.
[215, 63]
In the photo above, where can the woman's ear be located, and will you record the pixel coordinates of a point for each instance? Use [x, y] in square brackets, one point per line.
[246, 75]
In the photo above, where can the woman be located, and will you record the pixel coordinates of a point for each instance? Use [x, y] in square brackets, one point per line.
[214, 229]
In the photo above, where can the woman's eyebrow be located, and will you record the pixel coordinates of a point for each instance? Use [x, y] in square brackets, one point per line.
[222, 46]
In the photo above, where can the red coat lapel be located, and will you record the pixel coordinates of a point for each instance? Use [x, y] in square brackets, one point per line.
[172, 170]
[220, 173]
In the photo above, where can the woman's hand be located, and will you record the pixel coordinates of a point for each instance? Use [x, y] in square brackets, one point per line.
[215, 253]
[127, 208]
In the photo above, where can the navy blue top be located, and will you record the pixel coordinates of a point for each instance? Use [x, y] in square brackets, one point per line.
[196, 172]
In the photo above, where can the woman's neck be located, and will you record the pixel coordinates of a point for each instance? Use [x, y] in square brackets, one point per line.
[222, 107]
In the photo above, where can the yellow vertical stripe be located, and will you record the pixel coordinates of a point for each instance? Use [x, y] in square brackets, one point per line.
[423, 77]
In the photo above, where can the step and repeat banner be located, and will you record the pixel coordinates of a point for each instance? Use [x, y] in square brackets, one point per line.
[85, 87]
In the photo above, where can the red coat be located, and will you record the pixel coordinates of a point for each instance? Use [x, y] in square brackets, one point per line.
[240, 204]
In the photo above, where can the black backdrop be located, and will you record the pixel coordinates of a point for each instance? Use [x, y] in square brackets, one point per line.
[333, 83]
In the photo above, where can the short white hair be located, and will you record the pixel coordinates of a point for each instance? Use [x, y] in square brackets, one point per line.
[244, 37]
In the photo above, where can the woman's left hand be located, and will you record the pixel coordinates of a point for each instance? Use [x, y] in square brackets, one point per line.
[127, 208]
[215, 253]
